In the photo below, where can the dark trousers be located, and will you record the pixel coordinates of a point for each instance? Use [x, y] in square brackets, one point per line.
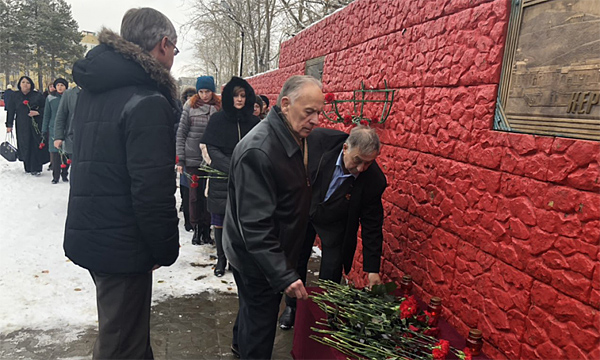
[184, 191]
[331, 261]
[256, 322]
[199, 215]
[57, 170]
[123, 316]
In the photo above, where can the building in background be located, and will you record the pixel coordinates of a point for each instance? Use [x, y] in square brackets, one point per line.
[89, 40]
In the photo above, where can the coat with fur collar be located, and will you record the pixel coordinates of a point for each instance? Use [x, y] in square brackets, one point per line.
[121, 216]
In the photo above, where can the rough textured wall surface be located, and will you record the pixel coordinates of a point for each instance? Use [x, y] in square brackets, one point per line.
[505, 228]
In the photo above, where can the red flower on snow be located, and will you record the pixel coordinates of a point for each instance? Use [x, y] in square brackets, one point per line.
[25, 102]
[329, 97]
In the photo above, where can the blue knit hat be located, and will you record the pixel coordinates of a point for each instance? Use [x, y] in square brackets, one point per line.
[205, 82]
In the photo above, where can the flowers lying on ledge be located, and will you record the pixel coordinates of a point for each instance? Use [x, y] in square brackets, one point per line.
[373, 324]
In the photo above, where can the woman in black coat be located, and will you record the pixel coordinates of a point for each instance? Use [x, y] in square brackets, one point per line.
[28, 109]
[224, 130]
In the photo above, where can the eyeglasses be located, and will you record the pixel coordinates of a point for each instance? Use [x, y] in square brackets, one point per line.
[176, 51]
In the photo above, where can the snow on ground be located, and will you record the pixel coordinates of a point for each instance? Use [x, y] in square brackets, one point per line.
[40, 288]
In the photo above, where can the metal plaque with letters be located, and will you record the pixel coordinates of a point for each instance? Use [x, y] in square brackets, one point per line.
[551, 71]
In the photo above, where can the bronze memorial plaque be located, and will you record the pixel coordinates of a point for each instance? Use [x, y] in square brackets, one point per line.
[553, 87]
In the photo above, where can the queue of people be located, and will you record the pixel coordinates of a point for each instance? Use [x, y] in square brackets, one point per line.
[281, 181]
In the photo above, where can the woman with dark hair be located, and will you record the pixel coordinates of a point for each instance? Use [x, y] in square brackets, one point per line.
[28, 110]
[61, 163]
[225, 129]
[194, 119]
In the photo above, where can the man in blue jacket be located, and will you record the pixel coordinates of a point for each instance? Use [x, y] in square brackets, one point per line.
[122, 221]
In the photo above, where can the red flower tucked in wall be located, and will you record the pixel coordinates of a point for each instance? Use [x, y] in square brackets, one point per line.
[329, 98]
[347, 119]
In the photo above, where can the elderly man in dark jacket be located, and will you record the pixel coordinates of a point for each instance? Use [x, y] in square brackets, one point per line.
[122, 221]
[347, 189]
[267, 213]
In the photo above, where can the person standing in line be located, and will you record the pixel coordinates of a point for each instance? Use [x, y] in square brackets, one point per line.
[347, 189]
[184, 184]
[192, 125]
[50, 111]
[63, 124]
[27, 109]
[225, 129]
[267, 213]
[121, 220]
[6, 97]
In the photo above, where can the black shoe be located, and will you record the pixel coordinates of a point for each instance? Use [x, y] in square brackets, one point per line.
[196, 236]
[206, 239]
[235, 350]
[220, 268]
[65, 179]
[287, 318]
[188, 227]
[54, 181]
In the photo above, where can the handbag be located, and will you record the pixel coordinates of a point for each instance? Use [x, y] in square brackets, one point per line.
[7, 149]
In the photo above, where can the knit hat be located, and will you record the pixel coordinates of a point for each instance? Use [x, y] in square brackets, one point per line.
[9, 87]
[61, 81]
[205, 82]
[265, 99]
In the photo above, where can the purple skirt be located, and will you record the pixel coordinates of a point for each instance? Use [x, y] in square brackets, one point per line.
[217, 219]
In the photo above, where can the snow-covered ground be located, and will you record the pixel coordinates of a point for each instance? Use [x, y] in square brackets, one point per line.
[40, 289]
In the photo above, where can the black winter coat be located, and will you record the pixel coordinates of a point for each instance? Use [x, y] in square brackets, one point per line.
[336, 221]
[28, 140]
[224, 130]
[268, 203]
[122, 217]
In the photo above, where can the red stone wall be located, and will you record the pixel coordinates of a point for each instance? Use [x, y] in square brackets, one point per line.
[505, 228]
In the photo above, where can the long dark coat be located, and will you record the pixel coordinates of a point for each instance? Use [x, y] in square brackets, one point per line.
[28, 140]
[224, 130]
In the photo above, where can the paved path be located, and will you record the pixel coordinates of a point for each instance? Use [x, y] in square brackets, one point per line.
[195, 327]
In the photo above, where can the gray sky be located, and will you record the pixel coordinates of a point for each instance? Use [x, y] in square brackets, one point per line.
[92, 15]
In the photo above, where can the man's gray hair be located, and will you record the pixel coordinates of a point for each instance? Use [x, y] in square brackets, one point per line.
[146, 27]
[364, 139]
[292, 87]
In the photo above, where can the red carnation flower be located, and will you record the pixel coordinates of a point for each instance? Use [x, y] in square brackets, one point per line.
[468, 354]
[63, 166]
[194, 185]
[347, 119]
[195, 178]
[68, 161]
[25, 102]
[432, 331]
[329, 97]
[441, 349]
[42, 145]
[408, 307]
[413, 328]
[364, 123]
